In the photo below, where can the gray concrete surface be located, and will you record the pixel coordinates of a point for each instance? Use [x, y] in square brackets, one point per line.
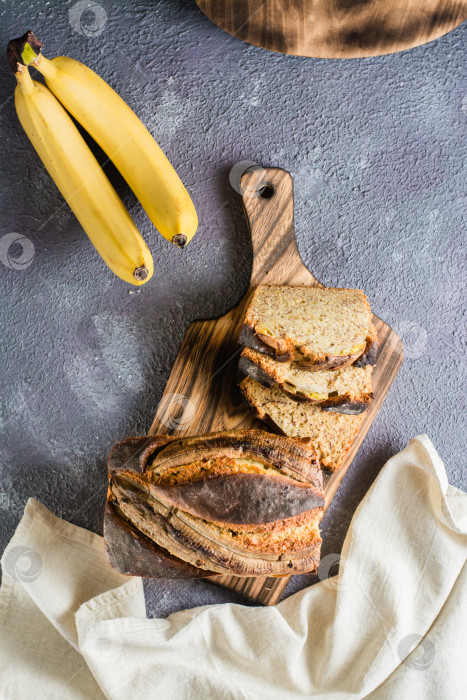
[376, 148]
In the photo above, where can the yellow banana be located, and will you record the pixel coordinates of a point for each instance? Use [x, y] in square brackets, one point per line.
[81, 180]
[122, 136]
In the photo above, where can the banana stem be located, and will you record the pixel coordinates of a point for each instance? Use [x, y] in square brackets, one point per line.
[44, 66]
[25, 81]
[23, 51]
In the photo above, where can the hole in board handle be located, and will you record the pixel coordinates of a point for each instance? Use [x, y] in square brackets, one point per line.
[266, 191]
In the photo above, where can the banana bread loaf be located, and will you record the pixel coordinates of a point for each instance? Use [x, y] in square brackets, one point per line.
[246, 503]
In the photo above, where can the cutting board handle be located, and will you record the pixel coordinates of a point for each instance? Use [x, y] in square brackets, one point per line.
[267, 195]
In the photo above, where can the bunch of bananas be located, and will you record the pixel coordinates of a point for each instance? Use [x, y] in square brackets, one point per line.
[121, 135]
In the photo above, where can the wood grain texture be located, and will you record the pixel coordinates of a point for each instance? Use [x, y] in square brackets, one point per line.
[202, 396]
[337, 29]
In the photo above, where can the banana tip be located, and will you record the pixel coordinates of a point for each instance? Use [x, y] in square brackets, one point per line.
[141, 273]
[180, 240]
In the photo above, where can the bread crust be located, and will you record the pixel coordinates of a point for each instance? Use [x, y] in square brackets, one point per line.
[134, 453]
[350, 408]
[241, 498]
[292, 456]
[370, 354]
[133, 554]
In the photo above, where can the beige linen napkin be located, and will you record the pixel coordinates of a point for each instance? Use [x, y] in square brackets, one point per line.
[392, 624]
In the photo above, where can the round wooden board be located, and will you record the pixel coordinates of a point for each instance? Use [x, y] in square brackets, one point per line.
[337, 29]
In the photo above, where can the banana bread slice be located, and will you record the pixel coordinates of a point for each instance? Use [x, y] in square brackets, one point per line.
[330, 434]
[345, 390]
[320, 327]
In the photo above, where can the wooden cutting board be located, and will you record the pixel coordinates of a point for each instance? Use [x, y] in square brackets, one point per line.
[201, 395]
[338, 29]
